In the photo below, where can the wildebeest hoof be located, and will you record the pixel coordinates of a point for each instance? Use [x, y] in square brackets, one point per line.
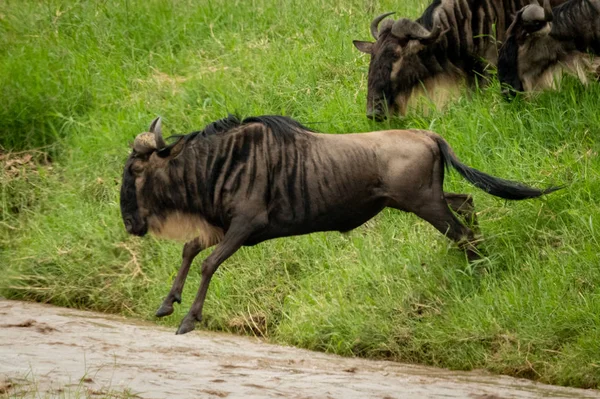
[187, 325]
[164, 310]
[472, 255]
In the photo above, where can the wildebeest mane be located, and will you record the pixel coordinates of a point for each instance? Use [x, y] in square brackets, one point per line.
[282, 127]
[213, 128]
[219, 126]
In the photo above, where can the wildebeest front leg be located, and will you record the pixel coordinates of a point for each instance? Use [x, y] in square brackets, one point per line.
[190, 250]
[233, 240]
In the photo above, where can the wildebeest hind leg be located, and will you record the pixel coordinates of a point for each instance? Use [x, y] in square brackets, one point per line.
[462, 204]
[436, 212]
[235, 237]
[190, 250]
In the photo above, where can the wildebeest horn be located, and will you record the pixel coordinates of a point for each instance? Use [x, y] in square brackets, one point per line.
[150, 141]
[548, 11]
[533, 13]
[405, 28]
[156, 128]
[144, 143]
[375, 24]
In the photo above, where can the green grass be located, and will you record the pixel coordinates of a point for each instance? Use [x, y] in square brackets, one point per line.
[79, 79]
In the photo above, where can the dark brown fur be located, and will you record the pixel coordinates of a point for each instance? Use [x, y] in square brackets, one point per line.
[403, 67]
[270, 177]
[537, 51]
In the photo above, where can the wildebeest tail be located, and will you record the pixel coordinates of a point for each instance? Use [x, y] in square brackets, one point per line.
[493, 185]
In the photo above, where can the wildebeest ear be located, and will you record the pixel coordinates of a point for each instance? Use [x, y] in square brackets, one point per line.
[156, 128]
[364, 47]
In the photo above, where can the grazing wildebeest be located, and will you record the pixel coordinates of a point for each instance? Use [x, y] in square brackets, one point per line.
[453, 41]
[240, 183]
[542, 42]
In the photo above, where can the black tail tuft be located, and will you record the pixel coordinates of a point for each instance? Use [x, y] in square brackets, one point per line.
[493, 185]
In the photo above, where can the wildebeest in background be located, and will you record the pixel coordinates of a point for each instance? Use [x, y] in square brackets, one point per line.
[543, 42]
[452, 42]
[240, 183]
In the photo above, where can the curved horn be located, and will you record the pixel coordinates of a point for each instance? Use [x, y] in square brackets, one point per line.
[435, 34]
[405, 28]
[548, 11]
[533, 13]
[144, 143]
[375, 23]
[156, 128]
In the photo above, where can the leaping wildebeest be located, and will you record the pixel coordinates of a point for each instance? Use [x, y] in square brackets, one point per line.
[543, 42]
[453, 41]
[240, 183]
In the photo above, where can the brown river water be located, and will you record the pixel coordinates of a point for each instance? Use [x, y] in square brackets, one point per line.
[46, 351]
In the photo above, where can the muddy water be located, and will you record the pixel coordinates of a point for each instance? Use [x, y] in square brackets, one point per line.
[62, 350]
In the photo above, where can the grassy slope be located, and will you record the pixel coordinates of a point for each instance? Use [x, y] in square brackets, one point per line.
[82, 78]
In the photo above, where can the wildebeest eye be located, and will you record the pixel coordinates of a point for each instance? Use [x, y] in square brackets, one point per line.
[137, 168]
[534, 26]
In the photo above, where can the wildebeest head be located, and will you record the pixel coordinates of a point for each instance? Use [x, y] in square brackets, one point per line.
[528, 34]
[401, 58]
[145, 146]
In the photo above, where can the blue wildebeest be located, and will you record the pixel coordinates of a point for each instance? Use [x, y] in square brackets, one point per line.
[453, 41]
[240, 183]
[542, 42]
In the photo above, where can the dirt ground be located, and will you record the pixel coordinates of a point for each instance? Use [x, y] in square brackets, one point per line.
[47, 351]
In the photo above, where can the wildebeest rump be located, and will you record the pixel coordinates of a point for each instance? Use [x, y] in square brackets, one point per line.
[453, 41]
[240, 183]
[543, 41]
